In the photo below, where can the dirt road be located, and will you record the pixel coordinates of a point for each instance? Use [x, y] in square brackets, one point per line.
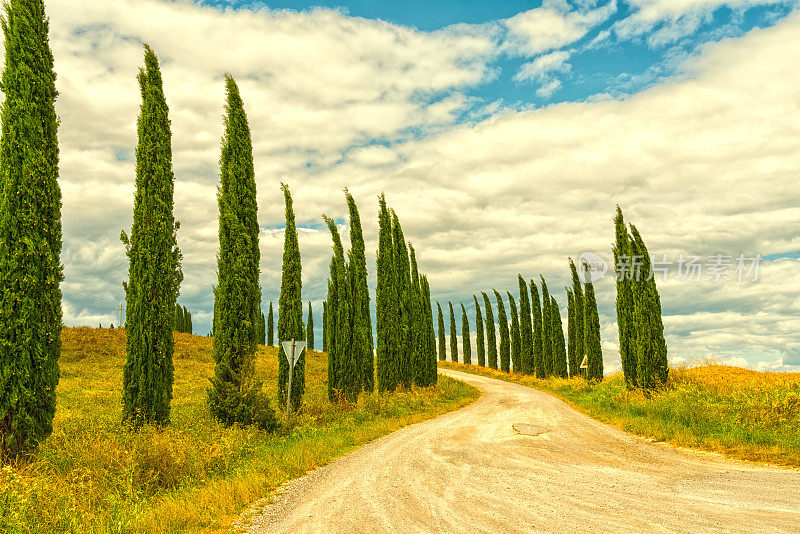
[471, 471]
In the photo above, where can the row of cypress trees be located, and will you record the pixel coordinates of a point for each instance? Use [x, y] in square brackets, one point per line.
[532, 341]
[642, 347]
[183, 320]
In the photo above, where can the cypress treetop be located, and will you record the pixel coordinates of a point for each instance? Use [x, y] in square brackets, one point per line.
[442, 346]
[626, 320]
[419, 325]
[30, 233]
[310, 328]
[516, 337]
[525, 329]
[577, 296]
[386, 305]
[547, 336]
[479, 334]
[536, 310]
[594, 351]
[465, 336]
[362, 326]
[270, 327]
[402, 272]
[559, 348]
[491, 335]
[453, 338]
[505, 338]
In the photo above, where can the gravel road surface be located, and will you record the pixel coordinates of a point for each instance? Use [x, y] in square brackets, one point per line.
[520, 460]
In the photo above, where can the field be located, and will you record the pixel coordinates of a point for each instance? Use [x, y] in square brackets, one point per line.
[737, 412]
[92, 475]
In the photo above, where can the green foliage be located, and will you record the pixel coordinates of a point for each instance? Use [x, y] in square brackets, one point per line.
[310, 328]
[591, 331]
[626, 320]
[290, 309]
[362, 322]
[572, 356]
[505, 338]
[402, 273]
[547, 336]
[526, 365]
[386, 305]
[491, 335]
[419, 326]
[442, 346]
[559, 348]
[516, 337]
[651, 348]
[235, 396]
[465, 336]
[536, 311]
[270, 327]
[453, 338]
[577, 296]
[433, 371]
[262, 328]
[325, 326]
[154, 274]
[30, 232]
[480, 346]
[330, 329]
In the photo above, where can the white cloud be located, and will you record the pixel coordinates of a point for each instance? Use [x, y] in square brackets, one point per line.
[542, 70]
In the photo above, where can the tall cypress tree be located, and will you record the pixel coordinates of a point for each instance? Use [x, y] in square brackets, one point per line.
[516, 337]
[538, 360]
[235, 396]
[491, 335]
[442, 346]
[270, 327]
[453, 338]
[559, 347]
[577, 296]
[547, 336]
[479, 334]
[402, 271]
[465, 336]
[178, 318]
[386, 305]
[186, 318]
[525, 329]
[433, 373]
[362, 322]
[290, 309]
[505, 338]
[154, 274]
[626, 319]
[652, 367]
[310, 328]
[591, 332]
[330, 329]
[30, 232]
[572, 355]
[324, 326]
[419, 325]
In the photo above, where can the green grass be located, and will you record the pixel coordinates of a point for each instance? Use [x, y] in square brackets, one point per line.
[92, 475]
[737, 412]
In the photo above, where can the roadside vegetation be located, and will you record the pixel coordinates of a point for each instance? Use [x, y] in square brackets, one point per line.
[740, 413]
[94, 475]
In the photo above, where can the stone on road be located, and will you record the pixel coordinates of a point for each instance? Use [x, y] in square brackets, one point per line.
[558, 471]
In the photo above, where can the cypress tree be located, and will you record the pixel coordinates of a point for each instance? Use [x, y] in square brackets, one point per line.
[178, 312]
[290, 309]
[419, 325]
[525, 329]
[559, 347]
[362, 321]
[491, 335]
[402, 273]
[330, 328]
[577, 296]
[516, 337]
[572, 355]
[348, 370]
[465, 336]
[442, 348]
[626, 320]
[324, 326]
[190, 330]
[30, 233]
[652, 368]
[479, 334]
[433, 373]
[270, 327]
[591, 331]
[536, 310]
[547, 335]
[154, 274]
[386, 305]
[235, 396]
[263, 338]
[310, 328]
[186, 318]
[453, 338]
[505, 338]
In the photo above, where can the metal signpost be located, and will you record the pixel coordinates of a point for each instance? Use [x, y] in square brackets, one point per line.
[292, 349]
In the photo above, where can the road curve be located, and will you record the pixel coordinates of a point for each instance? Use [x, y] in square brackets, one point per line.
[470, 471]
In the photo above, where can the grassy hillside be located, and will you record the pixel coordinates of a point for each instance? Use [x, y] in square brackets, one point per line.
[738, 412]
[91, 475]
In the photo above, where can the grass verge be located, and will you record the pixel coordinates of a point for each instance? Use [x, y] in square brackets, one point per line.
[91, 475]
[737, 412]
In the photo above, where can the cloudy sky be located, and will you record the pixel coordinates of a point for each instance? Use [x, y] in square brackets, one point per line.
[503, 133]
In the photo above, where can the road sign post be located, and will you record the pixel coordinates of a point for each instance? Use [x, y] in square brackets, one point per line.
[292, 349]
[585, 366]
